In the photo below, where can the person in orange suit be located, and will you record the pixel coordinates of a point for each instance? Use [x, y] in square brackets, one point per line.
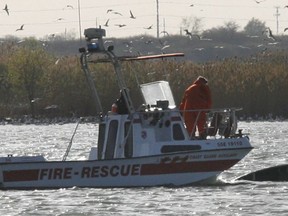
[197, 96]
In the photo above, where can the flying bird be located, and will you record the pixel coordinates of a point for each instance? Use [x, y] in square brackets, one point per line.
[70, 6]
[188, 33]
[258, 2]
[6, 9]
[165, 47]
[106, 24]
[21, 28]
[150, 27]
[117, 13]
[120, 25]
[109, 10]
[269, 33]
[285, 29]
[131, 15]
[191, 35]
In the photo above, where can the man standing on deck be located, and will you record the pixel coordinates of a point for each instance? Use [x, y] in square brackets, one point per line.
[196, 97]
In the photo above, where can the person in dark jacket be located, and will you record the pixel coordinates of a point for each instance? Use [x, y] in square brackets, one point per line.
[119, 106]
[196, 97]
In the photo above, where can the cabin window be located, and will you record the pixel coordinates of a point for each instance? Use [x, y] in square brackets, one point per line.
[111, 140]
[101, 139]
[128, 150]
[177, 132]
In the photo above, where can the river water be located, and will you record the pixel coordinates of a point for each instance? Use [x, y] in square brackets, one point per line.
[226, 197]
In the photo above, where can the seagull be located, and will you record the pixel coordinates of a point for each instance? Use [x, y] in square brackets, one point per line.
[162, 43]
[21, 28]
[285, 29]
[191, 35]
[70, 6]
[120, 25]
[106, 24]
[6, 9]
[128, 43]
[165, 47]
[52, 35]
[109, 10]
[131, 15]
[188, 33]
[258, 2]
[243, 47]
[57, 61]
[148, 42]
[199, 49]
[117, 13]
[269, 33]
[20, 41]
[150, 27]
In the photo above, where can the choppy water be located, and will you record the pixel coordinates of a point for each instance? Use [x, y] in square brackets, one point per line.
[228, 197]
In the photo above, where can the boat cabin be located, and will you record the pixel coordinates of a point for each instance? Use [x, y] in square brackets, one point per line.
[155, 128]
[146, 131]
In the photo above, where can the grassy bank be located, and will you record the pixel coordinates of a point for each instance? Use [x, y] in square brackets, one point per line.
[34, 82]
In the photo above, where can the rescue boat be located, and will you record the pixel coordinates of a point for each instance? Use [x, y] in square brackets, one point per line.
[146, 146]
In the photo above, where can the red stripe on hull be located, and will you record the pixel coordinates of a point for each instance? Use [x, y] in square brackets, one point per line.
[20, 175]
[185, 167]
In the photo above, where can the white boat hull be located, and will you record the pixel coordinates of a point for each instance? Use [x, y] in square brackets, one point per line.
[177, 169]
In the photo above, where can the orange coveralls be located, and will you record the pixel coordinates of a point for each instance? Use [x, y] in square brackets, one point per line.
[197, 96]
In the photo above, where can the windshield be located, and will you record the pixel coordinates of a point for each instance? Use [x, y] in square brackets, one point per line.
[157, 91]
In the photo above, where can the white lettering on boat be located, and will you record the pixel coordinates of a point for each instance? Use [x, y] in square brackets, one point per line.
[227, 155]
[212, 156]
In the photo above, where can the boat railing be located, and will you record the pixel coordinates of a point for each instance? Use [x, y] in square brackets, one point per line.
[222, 122]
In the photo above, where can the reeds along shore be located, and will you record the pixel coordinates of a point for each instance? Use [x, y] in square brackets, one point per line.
[34, 82]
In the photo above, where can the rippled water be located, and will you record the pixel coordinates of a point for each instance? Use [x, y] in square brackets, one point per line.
[228, 197]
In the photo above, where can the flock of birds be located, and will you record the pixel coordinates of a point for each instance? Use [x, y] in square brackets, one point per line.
[6, 9]
[267, 32]
[120, 14]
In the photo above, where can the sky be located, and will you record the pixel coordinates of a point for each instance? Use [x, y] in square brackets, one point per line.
[42, 18]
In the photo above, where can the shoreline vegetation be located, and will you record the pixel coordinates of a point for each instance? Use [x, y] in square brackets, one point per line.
[38, 84]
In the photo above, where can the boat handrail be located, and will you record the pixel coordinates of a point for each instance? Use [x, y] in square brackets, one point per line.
[216, 119]
[154, 108]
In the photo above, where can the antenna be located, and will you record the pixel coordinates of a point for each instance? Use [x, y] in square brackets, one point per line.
[157, 5]
[164, 27]
[277, 20]
[79, 17]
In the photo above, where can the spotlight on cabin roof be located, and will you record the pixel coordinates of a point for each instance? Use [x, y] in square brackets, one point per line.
[94, 33]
